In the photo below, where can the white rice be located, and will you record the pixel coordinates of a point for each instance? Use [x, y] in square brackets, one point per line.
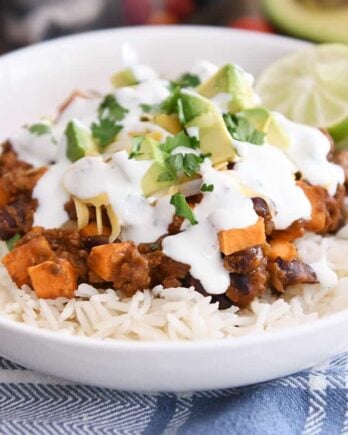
[183, 314]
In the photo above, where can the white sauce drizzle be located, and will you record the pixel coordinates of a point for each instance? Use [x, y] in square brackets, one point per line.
[121, 181]
[268, 172]
[51, 197]
[34, 149]
[308, 150]
[224, 208]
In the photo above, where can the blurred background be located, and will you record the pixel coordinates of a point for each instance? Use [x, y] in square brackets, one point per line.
[24, 22]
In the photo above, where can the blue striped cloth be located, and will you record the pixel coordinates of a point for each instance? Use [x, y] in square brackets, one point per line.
[312, 402]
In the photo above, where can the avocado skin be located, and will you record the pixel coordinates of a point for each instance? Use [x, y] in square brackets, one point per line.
[319, 24]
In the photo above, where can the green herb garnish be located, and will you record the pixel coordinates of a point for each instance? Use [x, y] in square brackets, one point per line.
[207, 187]
[111, 109]
[105, 131]
[179, 140]
[188, 80]
[40, 129]
[241, 129]
[136, 146]
[182, 208]
[12, 241]
[170, 104]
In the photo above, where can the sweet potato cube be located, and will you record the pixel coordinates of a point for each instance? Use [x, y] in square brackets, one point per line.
[53, 278]
[279, 248]
[103, 260]
[316, 196]
[30, 254]
[237, 239]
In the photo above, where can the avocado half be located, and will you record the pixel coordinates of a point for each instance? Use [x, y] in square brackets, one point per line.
[309, 21]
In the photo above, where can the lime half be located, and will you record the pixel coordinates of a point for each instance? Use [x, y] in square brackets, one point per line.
[310, 86]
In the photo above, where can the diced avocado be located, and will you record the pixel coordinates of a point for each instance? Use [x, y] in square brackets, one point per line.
[148, 150]
[263, 120]
[170, 123]
[197, 111]
[232, 80]
[79, 141]
[122, 78]
[317, 20]
[150, 183]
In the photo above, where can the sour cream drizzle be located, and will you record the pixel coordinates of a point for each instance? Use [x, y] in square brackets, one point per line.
[269, 173]
[224, 208]
[308, 150]
[120, 180]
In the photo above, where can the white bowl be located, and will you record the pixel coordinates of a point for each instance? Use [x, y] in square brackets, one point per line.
[33, 82]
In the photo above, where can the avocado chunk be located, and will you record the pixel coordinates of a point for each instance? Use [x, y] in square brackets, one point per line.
[231, 80]
[321, 22]
[197, 111]
[263, 120]
[79, 141]
[122, 78]
[146, 148]
[150, 182]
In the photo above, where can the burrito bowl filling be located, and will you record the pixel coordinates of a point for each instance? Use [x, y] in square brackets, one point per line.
[186, 184]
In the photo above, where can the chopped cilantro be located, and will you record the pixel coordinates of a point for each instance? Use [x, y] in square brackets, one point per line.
[188, 80]
[105, 131]
[40, 129]
[181, 164]
[192, 164]
[170, 104]
[111, 109]
[136, 145]
[241, 129]
[12, 241]
[182, 208]
[207, 187]
[179, 140]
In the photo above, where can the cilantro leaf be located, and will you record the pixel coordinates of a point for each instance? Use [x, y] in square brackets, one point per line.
[12, 241]
[179, 140]
[40, 129]
[192, 164]
[136, 145]
[188, 80]
[241, 129]
[110, 108]
[105, 131]
[207, 187]
[182, 208]
[170, 104]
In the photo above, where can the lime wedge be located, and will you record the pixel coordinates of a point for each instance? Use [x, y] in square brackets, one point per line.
[310, 87]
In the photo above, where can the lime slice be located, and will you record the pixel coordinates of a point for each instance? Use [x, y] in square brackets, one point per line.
[309, 86]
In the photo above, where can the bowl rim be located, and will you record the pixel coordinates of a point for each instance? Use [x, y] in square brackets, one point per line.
[259, 337]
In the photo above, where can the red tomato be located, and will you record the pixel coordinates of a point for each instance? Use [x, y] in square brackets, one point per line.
[180, 8]
[252, 23]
